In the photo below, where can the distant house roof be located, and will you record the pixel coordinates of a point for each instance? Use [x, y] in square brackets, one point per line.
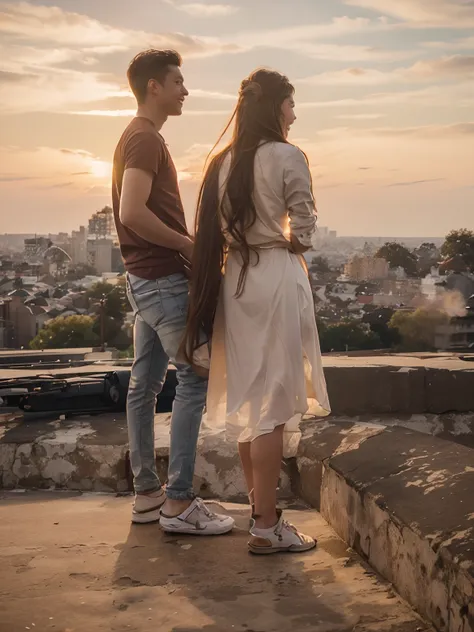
[22, 293]
[37, 300]
[454, 264]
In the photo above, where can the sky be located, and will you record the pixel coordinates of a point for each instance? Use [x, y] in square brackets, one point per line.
[384, 102]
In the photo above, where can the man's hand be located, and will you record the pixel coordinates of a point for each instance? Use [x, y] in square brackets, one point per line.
[135, 215]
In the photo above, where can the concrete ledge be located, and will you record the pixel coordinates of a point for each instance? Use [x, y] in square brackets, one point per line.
[91, 454]
[405, 501]
[375, 389]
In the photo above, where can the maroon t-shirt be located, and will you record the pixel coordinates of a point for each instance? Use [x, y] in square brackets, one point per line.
[142, 147]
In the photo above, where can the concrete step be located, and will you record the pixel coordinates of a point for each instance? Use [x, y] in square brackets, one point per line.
[74, 562]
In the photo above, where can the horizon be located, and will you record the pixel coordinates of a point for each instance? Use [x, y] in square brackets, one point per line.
[384, 93]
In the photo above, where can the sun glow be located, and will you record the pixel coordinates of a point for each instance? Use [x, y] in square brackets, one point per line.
[101, 169]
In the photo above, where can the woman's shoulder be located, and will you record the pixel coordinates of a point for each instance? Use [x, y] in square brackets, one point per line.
[282, 151]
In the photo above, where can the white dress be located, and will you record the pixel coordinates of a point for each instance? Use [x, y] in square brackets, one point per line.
[266, 365]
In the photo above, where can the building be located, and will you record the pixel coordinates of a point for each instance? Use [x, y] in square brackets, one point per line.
[36, 247]
[457, 335]
[365, 268]
[19, 323]
[99, 254]
[101, 224]
[117, 261]
[79, 246]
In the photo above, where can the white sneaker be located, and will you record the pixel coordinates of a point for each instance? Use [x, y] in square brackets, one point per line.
[283, 537]
[197, 519]
[146, 507]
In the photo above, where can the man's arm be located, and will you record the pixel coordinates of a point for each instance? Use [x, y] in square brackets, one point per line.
[135, 215]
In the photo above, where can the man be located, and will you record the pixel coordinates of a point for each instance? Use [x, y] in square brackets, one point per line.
[155, 246]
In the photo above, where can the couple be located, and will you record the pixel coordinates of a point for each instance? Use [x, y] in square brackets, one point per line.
[248, 295]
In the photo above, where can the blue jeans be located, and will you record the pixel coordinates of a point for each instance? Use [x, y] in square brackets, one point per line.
[160, 308]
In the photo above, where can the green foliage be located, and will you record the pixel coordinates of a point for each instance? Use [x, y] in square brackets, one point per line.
[460, 244]
[66, 333]
[115, 296]
[417, 329]
[398, 256]
[347, 336]
[428, 256]
[319, 264]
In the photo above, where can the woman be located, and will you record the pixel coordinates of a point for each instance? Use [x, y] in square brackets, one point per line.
[250, 292]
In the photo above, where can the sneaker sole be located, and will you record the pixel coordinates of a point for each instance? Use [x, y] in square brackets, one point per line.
[182, 530]
[147, 517]
[290, 549]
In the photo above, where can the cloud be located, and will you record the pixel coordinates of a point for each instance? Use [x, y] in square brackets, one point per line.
[53, 25]
[345, 52]
[191, 163]
[360, 117]
[38, 40]
[310, 40]
[447, 68]
[431, 96]
[411, 183]
[424, 13]
[210, 94]
[17, 178]
[51, 168]
[464, 43]
[337, 27]
[418, 132]
[76, 152]
[53, 89]
[130, 113]
[200, 10]
[13, 77]
[428, 131]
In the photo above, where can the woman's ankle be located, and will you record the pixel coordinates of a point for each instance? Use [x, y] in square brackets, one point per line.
[267, 521]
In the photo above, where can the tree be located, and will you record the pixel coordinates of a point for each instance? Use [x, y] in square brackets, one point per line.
[116, 302]
[417, 329]
[66, 332]
[379, 319]
[398, 257]
[79, 271]
[319, 264]
[347, 336]
[459, 244]
[110, 304]
[428, 256]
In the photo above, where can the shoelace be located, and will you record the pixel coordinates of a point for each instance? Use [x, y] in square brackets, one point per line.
[204, 508]
[284, 524]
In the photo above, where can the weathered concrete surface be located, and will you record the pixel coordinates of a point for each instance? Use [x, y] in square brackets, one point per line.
[91, 454]
[86, 453]
[76, 565]
[405, 501]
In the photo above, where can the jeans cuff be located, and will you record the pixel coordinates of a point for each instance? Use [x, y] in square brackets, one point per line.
[146, 490]
[188, 495]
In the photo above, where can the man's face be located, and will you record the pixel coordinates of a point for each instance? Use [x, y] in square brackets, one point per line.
[171, 93]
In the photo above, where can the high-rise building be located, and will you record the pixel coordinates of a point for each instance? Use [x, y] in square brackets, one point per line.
[363, 268]
[35, 247]
[79, 246]
[99, 254]
[101, 224]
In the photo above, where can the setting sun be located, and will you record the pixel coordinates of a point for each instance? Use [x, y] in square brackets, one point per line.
[101, 169]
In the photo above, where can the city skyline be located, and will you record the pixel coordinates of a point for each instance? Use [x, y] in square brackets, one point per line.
[384, 93]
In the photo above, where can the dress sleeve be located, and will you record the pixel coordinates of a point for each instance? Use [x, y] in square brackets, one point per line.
[299, 197]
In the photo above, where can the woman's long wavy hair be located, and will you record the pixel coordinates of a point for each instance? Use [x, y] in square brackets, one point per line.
[257, 119]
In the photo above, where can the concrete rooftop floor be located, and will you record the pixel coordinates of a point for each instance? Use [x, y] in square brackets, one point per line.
[74, 563]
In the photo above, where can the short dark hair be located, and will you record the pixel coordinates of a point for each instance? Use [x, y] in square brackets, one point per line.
[150, 64]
